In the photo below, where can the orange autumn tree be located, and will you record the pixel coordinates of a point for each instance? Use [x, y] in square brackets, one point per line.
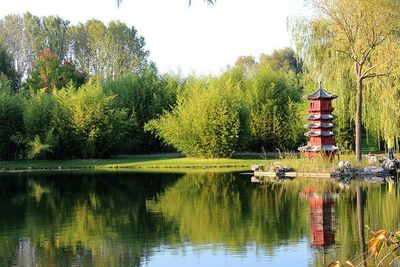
[50, 72]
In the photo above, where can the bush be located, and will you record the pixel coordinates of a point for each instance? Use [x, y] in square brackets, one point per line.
[144, 96]
[87, 123]
[71, 123]
[11, 126]
[38, 123]
[208, 121]
[274, 100]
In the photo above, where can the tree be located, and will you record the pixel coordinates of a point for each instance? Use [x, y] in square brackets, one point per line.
[50, 72]
[110, 51]
[17, 43]
[8, 75]
[25, 36]
[283, 60]
[357, 35]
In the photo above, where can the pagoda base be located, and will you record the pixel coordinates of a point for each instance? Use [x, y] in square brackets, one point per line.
[320, 154]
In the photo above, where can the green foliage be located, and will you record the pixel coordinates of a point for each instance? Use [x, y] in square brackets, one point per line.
[109, 51]
[8, 76]
[11, 126]
[75, 123]
[38, 122]
[87, 123]
[284, 60]
[37, 149]
[251, 106]
[274, 99]
[145, 96]
[209, 119]
[25, 36]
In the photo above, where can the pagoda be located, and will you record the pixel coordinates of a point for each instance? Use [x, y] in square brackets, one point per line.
[320, 134]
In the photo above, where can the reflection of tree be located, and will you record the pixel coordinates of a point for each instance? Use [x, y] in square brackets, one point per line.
[375, 205]
[80, 220]
[226, 209]
[120, 219]
[360, 220]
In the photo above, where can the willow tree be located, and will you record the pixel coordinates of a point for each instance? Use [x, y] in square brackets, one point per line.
[357, 36]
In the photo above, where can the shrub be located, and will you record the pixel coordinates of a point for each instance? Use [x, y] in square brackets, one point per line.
[11, 126]
[208, 121]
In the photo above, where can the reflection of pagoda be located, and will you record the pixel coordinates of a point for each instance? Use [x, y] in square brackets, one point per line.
[322, 209]
[321, 142]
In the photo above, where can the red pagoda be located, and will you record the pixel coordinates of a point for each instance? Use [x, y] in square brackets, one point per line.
[321, 142]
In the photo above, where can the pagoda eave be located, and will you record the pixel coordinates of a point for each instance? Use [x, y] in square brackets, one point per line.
[322, 117]
[323, 125]
[327, 148]
[319, 133]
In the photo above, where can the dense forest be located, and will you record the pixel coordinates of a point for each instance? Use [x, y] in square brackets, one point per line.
[89, 90]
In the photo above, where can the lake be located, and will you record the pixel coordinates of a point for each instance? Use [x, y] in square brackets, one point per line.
[195, 219]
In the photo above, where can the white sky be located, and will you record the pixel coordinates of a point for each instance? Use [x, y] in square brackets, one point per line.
[200, 39]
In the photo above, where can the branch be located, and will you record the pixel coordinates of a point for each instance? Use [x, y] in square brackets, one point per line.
[368, 70]
[347, 54]
[372, 46]
[375, 75]
[367, 52]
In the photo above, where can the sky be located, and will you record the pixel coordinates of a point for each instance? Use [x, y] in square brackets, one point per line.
[196, 39]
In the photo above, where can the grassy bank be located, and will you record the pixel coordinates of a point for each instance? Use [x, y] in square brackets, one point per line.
[137, 162]
[169, 162]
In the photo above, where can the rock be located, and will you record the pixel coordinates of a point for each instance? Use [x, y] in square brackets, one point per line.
[372, 158]
[373, 169]
[374, 179]
[255, 168]
[344, 164]
[391, 164]
[285, 169]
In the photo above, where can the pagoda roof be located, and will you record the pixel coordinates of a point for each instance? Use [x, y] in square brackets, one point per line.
[321, 94]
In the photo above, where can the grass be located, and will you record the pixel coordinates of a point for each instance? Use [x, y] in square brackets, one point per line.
[173, 162]
[135, 162]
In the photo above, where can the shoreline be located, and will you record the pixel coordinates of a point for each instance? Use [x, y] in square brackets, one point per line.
[174, 161]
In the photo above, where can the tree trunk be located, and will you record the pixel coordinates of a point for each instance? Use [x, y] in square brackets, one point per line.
[359, 118]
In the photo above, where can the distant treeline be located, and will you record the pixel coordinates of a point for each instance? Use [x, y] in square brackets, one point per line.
[89, 90]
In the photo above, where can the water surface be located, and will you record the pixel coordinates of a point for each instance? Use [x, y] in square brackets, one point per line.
[205, 219]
